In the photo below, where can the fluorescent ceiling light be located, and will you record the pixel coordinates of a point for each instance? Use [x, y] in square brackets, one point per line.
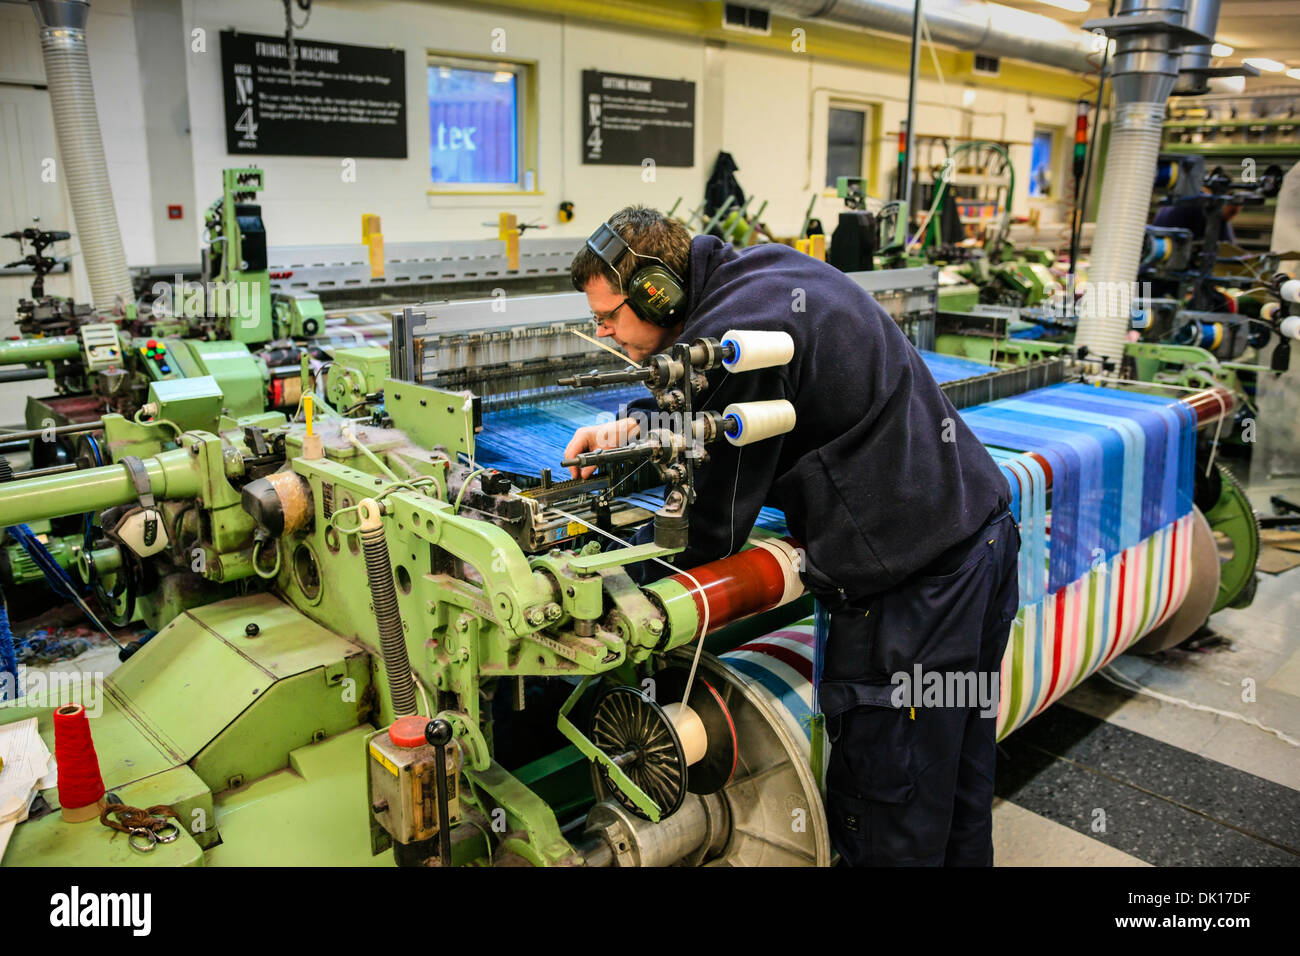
[1221, 49]
[1265, 64]
[1294, 74]
[1074, 6]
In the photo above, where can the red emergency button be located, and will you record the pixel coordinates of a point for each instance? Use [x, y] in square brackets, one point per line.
[408, 731]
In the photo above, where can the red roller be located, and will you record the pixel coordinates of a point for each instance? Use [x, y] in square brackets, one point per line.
[1210, 404]
[754, 580]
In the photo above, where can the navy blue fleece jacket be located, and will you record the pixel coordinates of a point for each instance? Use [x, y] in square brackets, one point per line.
[880, 475]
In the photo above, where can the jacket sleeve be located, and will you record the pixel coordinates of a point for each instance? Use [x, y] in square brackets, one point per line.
[735, 482]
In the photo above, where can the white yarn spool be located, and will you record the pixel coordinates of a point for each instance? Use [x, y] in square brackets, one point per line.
[755, 421]
[758, 350]
[690, 730]
[1291, 327]
[1290, 291]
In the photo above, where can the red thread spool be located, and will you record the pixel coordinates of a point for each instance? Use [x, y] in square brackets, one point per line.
[81, 788]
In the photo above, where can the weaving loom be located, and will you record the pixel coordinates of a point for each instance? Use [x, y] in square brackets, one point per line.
[1101, 485]
[1116, 568]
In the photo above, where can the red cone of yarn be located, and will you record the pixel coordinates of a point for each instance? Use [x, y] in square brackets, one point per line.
[80, 783]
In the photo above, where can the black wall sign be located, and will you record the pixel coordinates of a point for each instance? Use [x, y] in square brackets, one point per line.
[627, 119]
[344, 100]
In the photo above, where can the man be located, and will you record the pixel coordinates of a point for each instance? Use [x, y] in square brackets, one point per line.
[901, 512]
[1194, 217]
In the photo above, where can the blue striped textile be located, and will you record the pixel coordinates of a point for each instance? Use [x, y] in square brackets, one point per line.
[526, 439]
[1121, 463]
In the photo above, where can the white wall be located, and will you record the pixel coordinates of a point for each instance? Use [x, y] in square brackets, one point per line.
[768, 110]
[306, 200]
[27, 141]
[772, 109]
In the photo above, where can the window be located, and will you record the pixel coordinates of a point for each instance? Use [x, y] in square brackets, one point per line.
[1042, 164]
[845, 138]
[476, 123]
[736, 16]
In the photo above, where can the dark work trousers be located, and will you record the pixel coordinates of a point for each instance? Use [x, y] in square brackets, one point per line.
[910, 776]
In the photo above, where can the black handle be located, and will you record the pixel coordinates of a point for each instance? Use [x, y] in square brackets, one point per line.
[439, 732]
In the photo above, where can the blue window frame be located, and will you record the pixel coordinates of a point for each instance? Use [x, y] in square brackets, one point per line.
[1041, 164]
[473, 125]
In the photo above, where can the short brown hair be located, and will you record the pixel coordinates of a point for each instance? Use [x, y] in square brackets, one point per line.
[647, 232]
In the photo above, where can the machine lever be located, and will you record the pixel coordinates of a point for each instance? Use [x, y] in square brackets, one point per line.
[439, 733]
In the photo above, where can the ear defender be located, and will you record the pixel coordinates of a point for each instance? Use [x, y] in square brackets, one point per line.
[655, 293]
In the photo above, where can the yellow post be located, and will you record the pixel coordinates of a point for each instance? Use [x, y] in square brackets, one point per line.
[508, 232]
[372, 234]
[312, 444]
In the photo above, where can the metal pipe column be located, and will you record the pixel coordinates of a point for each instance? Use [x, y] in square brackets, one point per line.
[1148, 37]
[911, 107]
[76, 125]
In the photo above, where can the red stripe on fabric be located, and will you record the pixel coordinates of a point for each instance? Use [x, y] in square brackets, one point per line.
[1057, 639]
[785, 655]
[1173, 567]
[1119, 616]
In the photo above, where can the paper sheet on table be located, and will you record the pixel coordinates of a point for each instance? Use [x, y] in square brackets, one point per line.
[28, 767]
[26, 762]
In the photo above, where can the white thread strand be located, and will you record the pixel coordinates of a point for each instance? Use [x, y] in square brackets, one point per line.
[704, 627]
[1133, 686]
[611, 351]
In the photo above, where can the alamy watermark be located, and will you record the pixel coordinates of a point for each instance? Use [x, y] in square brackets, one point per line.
[216, 299]
[947, 689]
[46, 689]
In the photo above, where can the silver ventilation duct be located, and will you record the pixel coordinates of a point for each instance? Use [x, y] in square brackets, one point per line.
[1194, 65]
[76, 126]
[1149, 39]
[987, 28]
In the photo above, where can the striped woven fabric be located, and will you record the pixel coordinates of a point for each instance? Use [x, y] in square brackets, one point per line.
[1054, 644]
[1101, 488]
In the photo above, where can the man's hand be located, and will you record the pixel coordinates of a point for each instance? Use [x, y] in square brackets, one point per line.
[593, 437]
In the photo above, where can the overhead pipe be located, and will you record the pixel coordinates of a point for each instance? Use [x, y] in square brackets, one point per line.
[1149, 38]
[1194, 64]
[988, 28]
[76, 127]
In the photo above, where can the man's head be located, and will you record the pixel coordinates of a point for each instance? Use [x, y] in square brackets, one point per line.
[647, 233]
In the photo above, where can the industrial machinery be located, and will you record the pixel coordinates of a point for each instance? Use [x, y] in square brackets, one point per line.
[375, 646]
[368, 637]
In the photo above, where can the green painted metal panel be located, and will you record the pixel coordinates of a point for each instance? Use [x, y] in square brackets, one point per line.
[295, 712]
[202, 670]
[192, 403]
[430, 416]
[126, 753]
[237, 372]
[287, 642]
[311, 814]
[51, 841]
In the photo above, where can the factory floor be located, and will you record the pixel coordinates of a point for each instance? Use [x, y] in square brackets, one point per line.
[1110, 777]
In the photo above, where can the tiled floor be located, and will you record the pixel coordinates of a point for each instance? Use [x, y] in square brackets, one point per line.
[1110, 777]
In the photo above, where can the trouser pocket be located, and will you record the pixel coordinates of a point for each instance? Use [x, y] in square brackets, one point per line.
[870, 776]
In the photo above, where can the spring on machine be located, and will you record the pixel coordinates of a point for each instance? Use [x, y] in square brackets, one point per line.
[383, 594]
